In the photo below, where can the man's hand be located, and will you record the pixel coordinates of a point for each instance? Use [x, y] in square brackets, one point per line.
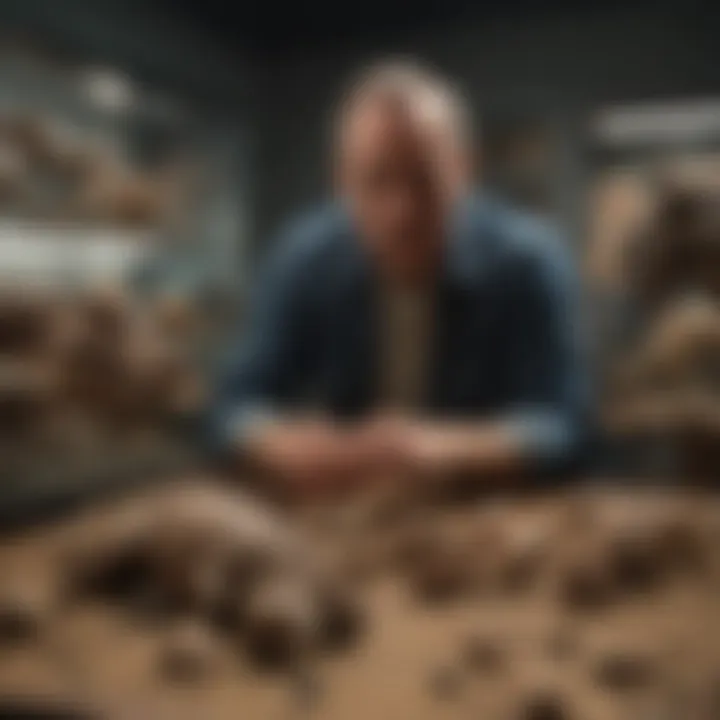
[310, 457]
[413, 450]
[302, 456]
[418, 450]
[320, 458]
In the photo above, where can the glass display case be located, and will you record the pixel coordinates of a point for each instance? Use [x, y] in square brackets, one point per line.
[120, 223]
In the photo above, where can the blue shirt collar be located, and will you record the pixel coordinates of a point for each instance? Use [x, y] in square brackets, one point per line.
[466, 239]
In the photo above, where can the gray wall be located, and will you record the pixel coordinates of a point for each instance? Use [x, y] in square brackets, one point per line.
[148, 42]
[559, 66]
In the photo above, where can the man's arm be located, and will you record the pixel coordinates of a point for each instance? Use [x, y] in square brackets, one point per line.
[260, 377]
[540, 429]
[257, 417]
[548, 400]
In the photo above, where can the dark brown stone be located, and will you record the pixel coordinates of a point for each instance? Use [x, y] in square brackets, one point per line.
[543, 705]
[622, 671]
[713, 698]
[521, 571]
[523, 555]
[20, 620]
[150, 608]
[121, 572]
[636, 561]
[682, 547]
[412, 546]
[442, 575]
[342, 619]
[282, 623]
[586, 585]
[483, 654]
[35, 708]
[24, 326]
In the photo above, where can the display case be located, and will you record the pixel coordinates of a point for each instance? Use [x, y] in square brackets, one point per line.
[120, 222]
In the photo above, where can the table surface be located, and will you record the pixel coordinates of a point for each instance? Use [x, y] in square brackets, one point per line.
[104, 654]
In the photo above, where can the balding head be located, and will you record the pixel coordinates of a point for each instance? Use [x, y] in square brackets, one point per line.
[427, 99]
[402, 152]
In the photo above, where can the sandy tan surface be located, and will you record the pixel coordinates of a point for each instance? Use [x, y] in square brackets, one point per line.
[107, 655]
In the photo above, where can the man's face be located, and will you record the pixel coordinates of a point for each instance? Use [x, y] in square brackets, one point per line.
[395, 172]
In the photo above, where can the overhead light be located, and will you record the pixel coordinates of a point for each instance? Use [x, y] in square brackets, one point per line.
[666, 122]
[108, 89]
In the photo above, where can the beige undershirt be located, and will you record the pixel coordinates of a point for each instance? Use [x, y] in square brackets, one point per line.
[406, 330]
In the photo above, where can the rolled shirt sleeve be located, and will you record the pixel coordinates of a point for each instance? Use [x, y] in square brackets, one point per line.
[259, 377]
[239, 423]
[548, 390]
[547, 439]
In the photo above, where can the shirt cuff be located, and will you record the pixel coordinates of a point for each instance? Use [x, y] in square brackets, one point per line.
[545, 438]
[242, 422]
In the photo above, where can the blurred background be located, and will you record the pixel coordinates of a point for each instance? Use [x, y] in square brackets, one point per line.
[149, 151]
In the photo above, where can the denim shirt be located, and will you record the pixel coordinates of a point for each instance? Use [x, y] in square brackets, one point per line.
[507, 344]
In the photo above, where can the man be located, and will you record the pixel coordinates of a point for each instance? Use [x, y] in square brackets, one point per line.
[412, 330]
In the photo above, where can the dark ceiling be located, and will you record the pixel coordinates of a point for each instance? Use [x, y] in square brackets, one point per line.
[271, 28]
